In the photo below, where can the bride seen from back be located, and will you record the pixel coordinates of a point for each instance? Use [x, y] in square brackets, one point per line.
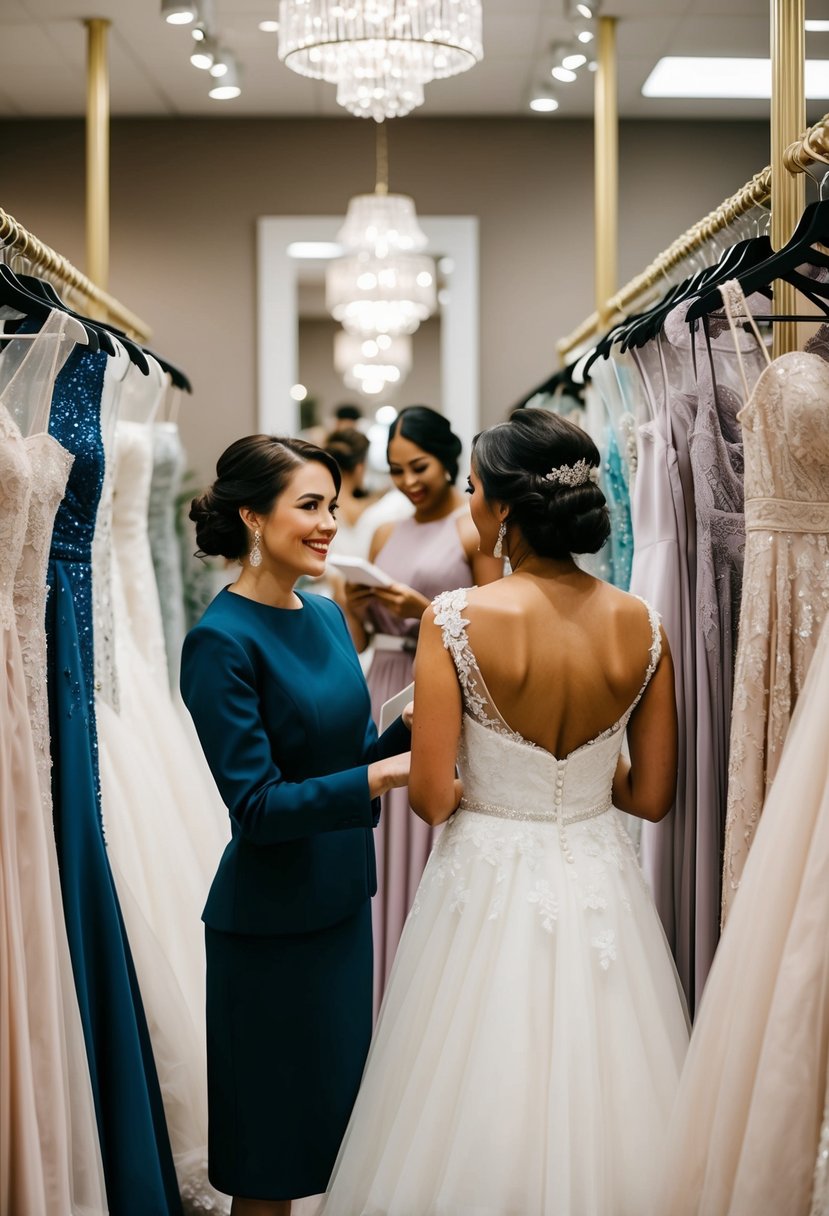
[529, 1046]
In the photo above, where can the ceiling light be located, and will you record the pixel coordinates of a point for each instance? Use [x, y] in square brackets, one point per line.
[679, 76]
[199, 33]
[584, 10]
[817, 27]
[386, 415]
[543, 105]
[226, 85]
[592, 66]
[222, 60]
[382, 224]
[371, 296]
[585, 36]
[315, 249]
[563, 74]
[380, 53]
[269, 27]
[178, 12]
[577, 60]
[203, 54]
[299, 392]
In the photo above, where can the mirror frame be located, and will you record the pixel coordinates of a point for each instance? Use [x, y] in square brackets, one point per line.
[452, 236]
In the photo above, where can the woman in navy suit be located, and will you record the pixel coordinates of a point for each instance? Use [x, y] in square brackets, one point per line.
[274, 686]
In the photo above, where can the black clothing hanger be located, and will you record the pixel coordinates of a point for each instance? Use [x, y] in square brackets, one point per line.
[178, 377]
[812, 229]
[15, 293]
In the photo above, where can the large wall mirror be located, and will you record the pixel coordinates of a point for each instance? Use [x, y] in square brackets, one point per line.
[296, 334]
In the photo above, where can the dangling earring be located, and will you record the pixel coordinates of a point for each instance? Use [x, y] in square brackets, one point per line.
[255, 550]
[498, 551]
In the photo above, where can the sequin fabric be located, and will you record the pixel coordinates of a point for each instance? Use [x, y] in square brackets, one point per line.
[75, 422]
[785, 595]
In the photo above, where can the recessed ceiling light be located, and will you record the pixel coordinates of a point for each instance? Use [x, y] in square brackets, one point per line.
[544, 105]
[817, 27]
[585, 10]
[564, 75]
[679, 76]
[574, 61]
[585, 36]
[269, 27]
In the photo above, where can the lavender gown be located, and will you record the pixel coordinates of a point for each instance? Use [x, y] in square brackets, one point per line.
[428, 558]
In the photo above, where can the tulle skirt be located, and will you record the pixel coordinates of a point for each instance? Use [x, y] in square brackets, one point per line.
[531, 1038]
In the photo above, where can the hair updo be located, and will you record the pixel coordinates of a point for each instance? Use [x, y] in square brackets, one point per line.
[251, 473]
[511, 460]
[348, 447]
[429, 430]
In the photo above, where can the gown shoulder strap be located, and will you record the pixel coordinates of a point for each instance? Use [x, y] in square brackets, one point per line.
[736, 307]
[449, 608]
[654, 654]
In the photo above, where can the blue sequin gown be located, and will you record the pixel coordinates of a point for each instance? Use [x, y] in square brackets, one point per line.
[138, 1164]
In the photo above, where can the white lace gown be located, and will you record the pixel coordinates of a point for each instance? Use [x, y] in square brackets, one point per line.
[163, 817]
[532, 1034]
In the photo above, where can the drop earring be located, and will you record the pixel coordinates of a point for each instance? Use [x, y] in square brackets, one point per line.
[498, 551]
[255, 549]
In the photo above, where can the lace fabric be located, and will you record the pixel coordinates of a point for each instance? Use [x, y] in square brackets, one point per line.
[785, 595]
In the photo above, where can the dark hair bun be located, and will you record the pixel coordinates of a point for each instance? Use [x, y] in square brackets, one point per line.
[251, 473]
[348, 447]
[512, 460]
[219, 532]
[429, 430]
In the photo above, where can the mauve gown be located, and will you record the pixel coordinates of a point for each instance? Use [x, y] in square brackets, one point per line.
[430, 559]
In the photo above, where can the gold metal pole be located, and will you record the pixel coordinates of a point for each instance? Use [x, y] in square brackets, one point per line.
[97, 151]
[788, 120]
[606, 168]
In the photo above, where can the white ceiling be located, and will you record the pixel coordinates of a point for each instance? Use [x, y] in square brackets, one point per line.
[42, 57]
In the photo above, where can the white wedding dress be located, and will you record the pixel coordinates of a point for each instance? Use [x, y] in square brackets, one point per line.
[533, 1031]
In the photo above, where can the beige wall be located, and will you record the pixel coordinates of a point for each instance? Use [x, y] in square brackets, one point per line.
[186, 195]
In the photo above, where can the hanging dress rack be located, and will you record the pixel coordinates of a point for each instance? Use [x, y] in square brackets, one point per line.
[102, 306]
[812, 147]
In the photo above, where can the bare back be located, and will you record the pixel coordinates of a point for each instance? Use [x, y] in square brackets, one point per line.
[577, 653]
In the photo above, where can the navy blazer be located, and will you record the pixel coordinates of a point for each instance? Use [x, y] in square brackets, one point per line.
[283, 713]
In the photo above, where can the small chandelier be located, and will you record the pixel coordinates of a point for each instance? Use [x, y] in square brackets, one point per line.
[380, 53]
[382, 223]
[371, 296]
[362, 361]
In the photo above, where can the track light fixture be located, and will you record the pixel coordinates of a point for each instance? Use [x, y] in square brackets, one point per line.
[225, 86]
[179, 12]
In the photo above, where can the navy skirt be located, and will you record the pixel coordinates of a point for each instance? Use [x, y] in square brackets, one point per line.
[288, 1031]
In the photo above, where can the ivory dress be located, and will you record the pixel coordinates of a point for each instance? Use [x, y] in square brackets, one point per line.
[533, 1030]
[786, 575]
[68, 1134]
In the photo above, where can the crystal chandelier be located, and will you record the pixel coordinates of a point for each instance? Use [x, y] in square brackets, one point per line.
[371, 296]
[380, 53]
[382, 223]
[366, 362]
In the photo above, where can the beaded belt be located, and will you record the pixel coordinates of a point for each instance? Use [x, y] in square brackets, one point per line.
[784, 515]
[511, 812]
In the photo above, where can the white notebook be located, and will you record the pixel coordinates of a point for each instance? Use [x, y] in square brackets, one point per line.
[356, 570]
[394, 707]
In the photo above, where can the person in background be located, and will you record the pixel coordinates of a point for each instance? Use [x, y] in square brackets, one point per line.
[434, 550]
[348, 417]
[283, 714]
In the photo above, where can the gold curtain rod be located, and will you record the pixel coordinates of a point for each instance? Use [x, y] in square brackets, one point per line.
[812, 147]
[103, 306]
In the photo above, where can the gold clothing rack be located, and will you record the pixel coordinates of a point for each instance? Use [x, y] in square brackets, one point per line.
[102, 306]
[811, 148]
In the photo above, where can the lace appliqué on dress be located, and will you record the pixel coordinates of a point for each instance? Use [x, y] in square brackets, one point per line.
[449, 606]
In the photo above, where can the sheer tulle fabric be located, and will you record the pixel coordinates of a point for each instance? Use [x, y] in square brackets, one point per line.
[744, 1134]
